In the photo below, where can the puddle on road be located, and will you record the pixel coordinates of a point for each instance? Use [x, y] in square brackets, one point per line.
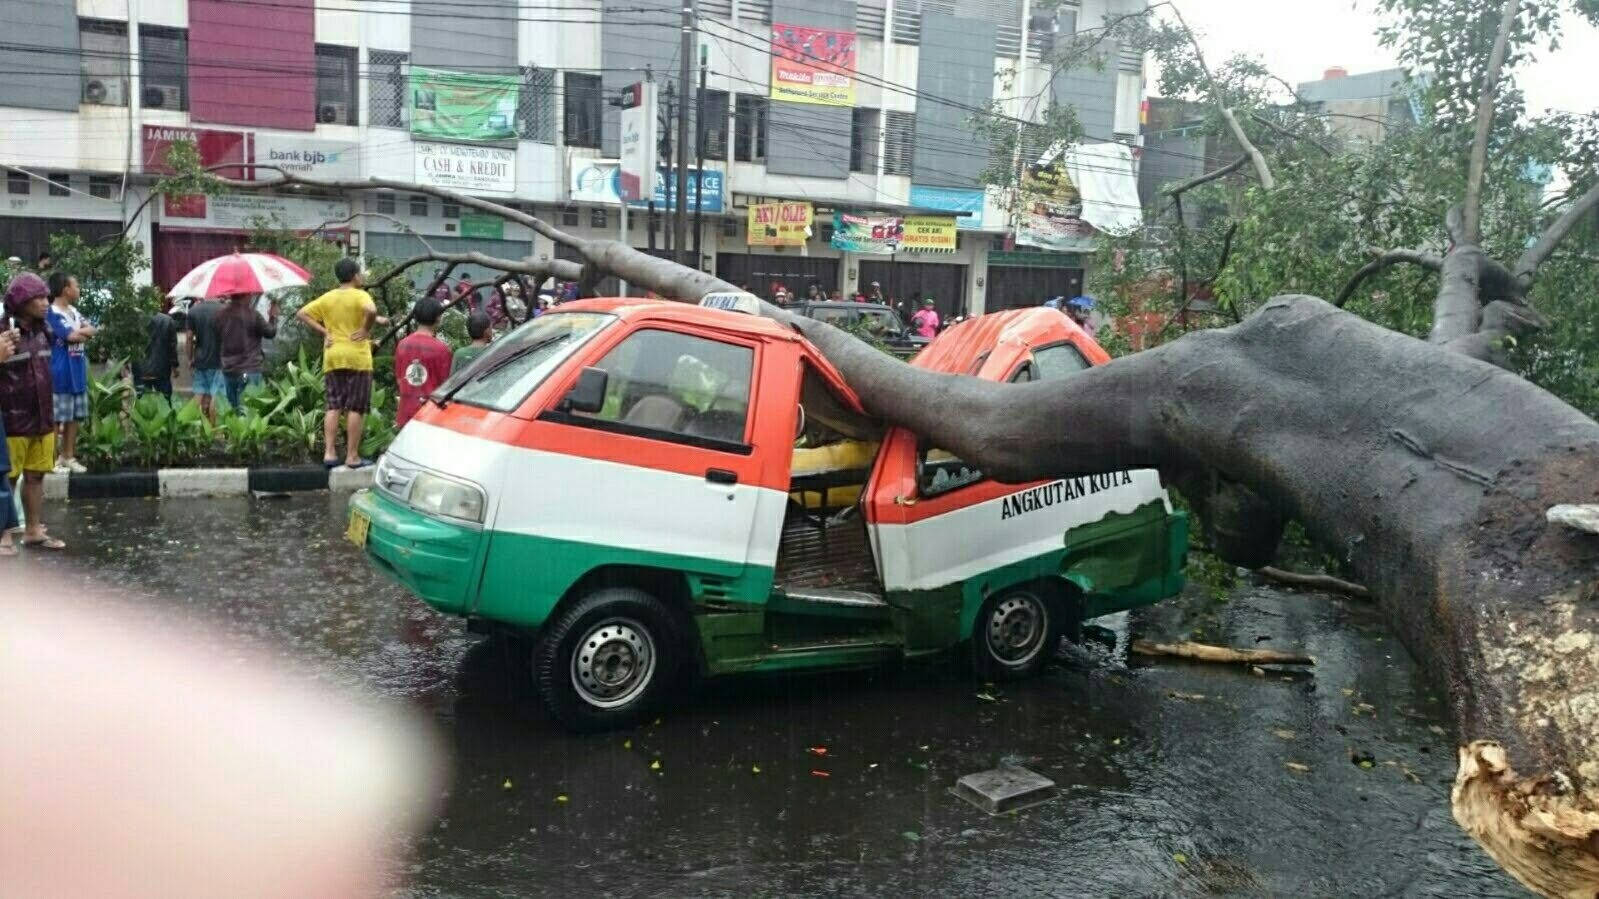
[1176, 778]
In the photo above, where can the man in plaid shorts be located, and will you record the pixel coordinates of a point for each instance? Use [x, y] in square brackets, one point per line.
[69, 367]
[344, 317]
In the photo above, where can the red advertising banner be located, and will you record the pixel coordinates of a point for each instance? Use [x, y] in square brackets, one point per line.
[813, 65]
[216, 148]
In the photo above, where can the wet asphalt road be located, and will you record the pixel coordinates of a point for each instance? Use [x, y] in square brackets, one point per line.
[1176, 778]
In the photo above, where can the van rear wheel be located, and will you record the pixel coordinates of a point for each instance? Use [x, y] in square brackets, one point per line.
[1014, 635]
[609, 660]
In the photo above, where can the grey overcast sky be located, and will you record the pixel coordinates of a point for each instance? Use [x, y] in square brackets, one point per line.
[1298, 39]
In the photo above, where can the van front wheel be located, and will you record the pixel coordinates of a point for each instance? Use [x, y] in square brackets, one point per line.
[1014, 635]
[609, 660]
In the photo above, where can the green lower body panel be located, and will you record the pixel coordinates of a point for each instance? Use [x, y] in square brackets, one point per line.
[436, 560]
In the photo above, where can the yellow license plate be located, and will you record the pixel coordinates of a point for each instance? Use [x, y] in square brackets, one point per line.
[356, 532]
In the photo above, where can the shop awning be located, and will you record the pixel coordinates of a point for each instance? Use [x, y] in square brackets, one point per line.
[832, 203]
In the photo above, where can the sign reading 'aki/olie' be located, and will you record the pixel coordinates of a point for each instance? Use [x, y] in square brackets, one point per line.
[780, 224]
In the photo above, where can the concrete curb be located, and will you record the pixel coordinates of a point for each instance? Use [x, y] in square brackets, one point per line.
[199, 482]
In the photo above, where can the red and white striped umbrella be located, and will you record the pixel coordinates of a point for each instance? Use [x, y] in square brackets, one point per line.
[240, 273]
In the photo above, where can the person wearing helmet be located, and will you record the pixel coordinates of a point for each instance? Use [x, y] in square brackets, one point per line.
[925, 322]
[1079, 309]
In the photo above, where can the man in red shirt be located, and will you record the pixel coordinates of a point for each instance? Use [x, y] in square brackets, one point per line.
[421, 361]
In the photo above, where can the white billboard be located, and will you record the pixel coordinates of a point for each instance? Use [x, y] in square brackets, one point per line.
[639, 141]
[469, 169]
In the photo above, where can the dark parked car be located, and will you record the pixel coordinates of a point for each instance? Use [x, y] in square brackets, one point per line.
[872, 318]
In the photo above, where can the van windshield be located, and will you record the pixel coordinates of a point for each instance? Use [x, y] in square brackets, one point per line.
[514, 365]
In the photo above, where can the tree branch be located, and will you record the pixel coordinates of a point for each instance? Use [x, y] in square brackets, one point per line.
[663, 276]
[1261, 170]
[1206, 178]
[1289, 134]
[1323, 582]
[1471, 231]
[1535, 255]
[1255, 156]
[1391, 257]
[560, 268]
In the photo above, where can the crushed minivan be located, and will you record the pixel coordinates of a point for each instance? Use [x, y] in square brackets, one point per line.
[636, 490]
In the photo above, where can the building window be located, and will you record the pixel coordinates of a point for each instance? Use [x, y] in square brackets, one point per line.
[163, 68]
[101, 186]
[569, 217]
[535, 108]
[864, 129]
[419, 206]
[749, 128]
[899, 136]
[582, 107]
[451, 210]
[59, 185]
[597, 217]
[336, 93]
[385, 204]
[104, 46]
[386, 92]
[17, 183]
[730, 227]
[716, 125]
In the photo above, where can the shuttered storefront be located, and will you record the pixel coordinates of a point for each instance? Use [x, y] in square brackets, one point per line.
[908, 283]
[794, 272]
[1020, 279]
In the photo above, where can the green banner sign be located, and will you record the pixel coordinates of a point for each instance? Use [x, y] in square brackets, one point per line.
[489, 227]
[463, 106]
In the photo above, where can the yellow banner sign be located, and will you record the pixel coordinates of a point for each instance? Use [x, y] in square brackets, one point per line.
[929, 234]
[780, 224]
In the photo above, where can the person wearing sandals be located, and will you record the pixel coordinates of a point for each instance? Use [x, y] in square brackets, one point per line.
[27, 404]
[8, 506]
[344, 317]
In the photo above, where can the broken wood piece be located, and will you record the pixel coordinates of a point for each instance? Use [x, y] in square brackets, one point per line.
[1324, 582]
[1540, 829]
[1202, 652]
[1584, 517]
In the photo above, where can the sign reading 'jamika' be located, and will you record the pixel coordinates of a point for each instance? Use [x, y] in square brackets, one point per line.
[476, 170]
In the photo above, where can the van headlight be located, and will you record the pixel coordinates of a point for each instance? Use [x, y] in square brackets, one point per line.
[449, 498]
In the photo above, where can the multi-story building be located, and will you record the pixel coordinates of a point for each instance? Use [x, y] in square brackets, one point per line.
[1364, 107]
[98, 90]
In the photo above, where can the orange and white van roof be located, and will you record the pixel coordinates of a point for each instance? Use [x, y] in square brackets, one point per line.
[635, 308]
[991, 346]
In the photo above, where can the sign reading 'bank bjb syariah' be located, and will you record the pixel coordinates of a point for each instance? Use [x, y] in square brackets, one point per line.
[262, 156]
[813, 65]
[474, 170]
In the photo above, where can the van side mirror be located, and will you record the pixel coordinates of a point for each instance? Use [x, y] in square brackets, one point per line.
[588, 394]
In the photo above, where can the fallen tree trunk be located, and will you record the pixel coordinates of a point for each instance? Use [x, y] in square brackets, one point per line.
[1429, 471]
[1224, 655]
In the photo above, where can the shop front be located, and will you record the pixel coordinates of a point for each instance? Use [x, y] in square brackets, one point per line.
[191, 229]
[1029, 278]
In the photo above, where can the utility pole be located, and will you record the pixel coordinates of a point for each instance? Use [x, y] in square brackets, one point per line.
[699, 159]
[664, 154]
[684, 51]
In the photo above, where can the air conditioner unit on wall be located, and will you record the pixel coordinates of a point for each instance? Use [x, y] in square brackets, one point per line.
[161, 96]
[103, 92]
[333, 113]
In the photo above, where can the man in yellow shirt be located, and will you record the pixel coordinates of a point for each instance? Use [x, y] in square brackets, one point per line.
[344, 317]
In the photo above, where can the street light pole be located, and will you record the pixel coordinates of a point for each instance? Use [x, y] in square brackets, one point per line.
[684, 52]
